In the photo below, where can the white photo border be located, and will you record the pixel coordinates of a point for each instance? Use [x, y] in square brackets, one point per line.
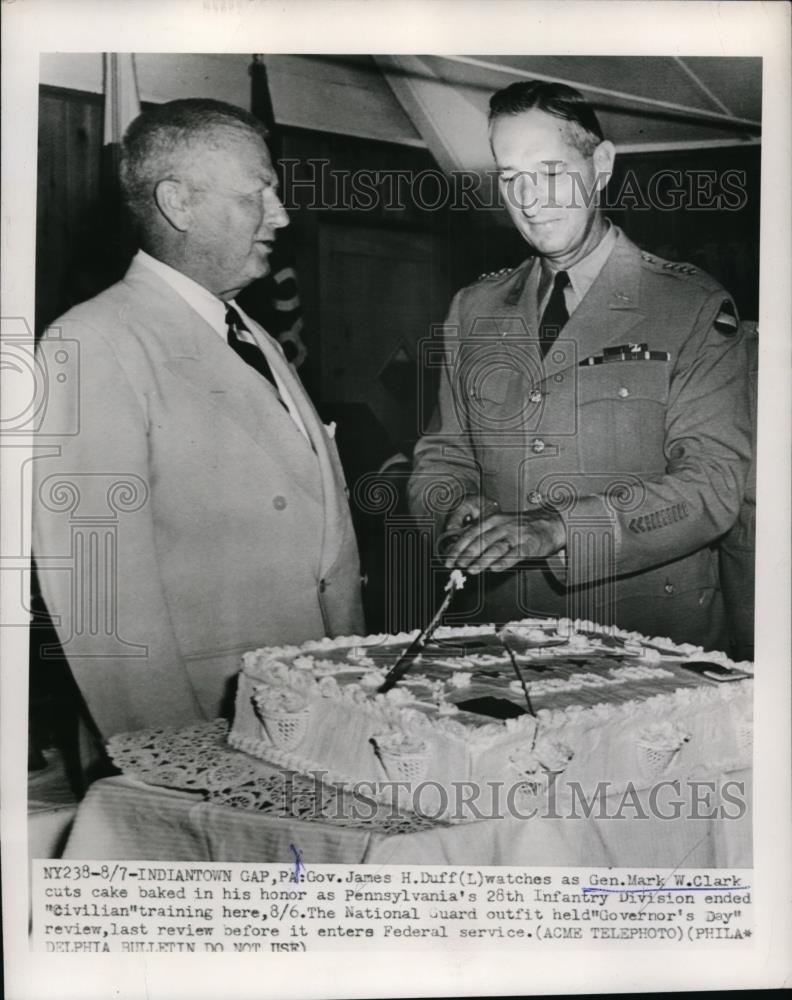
[418, 26]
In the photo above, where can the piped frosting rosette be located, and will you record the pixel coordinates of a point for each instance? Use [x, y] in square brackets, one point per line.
[535, 763]
[405, 756]
[658, 744]
[284, 713]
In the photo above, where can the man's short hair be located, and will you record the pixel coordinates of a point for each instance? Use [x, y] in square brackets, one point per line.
[556, 99]
[163, 135]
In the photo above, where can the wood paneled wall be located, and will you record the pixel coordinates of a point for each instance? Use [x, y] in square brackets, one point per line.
[83, 243]
[69, 149]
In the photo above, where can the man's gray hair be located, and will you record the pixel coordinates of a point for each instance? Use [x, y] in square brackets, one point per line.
[159, 139]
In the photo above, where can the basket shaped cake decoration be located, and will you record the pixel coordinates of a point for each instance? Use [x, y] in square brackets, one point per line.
[404, 757]
[284, 714]
[658, 745]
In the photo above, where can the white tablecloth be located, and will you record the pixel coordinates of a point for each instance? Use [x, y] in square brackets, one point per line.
[124, 819]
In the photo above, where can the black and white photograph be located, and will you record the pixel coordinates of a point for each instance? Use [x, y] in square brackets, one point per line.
[391, 463]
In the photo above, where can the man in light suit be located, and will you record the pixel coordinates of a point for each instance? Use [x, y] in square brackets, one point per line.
[196, 508]
[592, 436]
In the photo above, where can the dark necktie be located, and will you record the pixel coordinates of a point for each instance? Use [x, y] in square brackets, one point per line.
[555, 315]
[250, 353]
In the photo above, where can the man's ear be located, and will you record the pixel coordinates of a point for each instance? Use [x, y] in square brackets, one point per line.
[604, 157]
[173, 200]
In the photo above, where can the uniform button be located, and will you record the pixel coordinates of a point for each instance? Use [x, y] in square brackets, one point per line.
[279, 503]
[669, 588]
[535, 396]
[534, 497]
[537, 446]
[624, 392]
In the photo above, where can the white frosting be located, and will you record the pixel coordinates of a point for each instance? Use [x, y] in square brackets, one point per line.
[663, 736]
[456, 581]
[280, 700]
[400, 743]
[460, 679]
[348, 671]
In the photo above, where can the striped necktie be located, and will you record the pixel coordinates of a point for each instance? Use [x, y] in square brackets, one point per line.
[245, 348]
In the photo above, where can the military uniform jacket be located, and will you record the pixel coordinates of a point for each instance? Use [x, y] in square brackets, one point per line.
[635, 428]
[180, 516]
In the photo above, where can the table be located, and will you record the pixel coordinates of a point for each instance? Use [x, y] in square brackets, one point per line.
[245, 818]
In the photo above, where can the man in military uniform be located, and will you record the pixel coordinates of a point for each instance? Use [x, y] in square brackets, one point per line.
[592, 437]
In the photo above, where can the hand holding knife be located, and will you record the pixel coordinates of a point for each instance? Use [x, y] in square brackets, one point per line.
[494, 541]
[474, 509]
[455, 582]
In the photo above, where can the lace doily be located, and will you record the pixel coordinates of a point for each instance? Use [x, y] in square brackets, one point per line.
[199, 759]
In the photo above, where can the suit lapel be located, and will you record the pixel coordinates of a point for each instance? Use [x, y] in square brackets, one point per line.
[199, 357]
[280, 366]
[325, 451]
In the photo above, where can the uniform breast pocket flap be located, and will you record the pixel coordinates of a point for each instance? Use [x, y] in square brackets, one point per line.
[622, 415]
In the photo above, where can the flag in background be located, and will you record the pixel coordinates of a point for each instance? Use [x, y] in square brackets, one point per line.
[122, 101]
[121, 106]
[106, 242]
[274, 300]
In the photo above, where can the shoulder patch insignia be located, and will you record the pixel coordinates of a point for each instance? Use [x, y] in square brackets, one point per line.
[726, 320]
[495, 274]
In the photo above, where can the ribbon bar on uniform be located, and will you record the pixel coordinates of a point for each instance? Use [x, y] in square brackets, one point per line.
[626, 352]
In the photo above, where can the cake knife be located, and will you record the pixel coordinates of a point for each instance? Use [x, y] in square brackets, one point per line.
[455, 582]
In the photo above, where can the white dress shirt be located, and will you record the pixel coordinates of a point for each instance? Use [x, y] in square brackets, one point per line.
[213, 311]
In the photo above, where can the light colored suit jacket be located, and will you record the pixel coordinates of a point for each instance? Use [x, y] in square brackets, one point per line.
[180, 517]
